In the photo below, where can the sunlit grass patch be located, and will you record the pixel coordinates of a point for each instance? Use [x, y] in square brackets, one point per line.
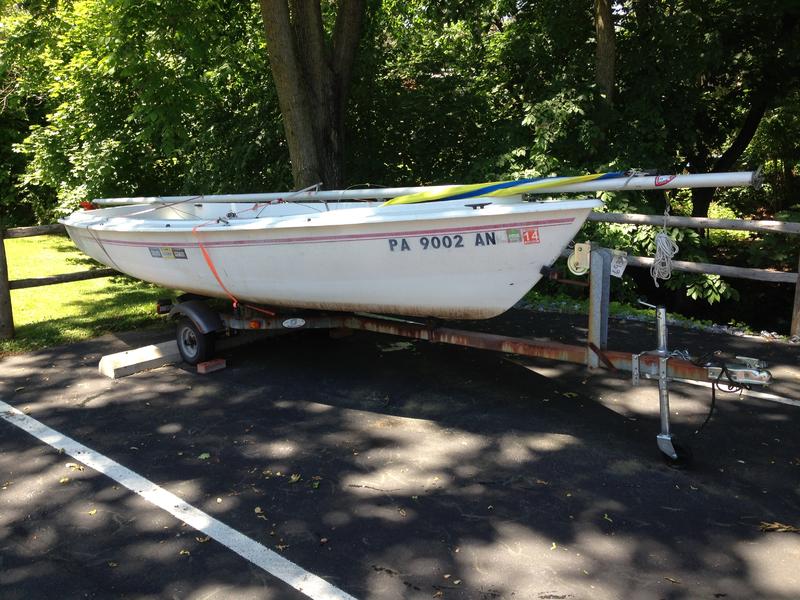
[69, 312]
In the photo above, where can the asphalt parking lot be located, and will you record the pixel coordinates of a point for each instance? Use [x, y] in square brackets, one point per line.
[395, 469]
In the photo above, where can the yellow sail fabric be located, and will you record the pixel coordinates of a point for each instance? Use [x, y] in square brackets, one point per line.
[492, 189]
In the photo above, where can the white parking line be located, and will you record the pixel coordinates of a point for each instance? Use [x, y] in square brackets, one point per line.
[307, 583]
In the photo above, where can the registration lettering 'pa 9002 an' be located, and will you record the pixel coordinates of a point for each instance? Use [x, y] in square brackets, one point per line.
[443, 242]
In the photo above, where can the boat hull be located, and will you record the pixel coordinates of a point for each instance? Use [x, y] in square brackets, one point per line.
[458, 262]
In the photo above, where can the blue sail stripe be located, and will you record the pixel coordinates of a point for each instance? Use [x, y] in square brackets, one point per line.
[491, 188]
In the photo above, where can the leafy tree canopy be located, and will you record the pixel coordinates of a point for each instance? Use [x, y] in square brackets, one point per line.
[132, 97]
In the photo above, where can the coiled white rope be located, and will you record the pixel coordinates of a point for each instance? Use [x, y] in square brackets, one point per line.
[666, 249]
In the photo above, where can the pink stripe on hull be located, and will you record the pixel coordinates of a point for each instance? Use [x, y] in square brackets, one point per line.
[345, 238]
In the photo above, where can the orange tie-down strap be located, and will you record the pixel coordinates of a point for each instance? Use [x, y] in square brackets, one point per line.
[214, 272]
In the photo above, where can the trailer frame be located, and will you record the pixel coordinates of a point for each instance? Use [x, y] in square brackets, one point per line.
[199, 324]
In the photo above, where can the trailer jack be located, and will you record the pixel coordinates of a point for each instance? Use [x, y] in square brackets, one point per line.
[746, 372]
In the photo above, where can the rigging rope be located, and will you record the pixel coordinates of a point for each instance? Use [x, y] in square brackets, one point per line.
[666, 249]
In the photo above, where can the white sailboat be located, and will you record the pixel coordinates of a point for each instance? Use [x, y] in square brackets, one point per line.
[453, 252]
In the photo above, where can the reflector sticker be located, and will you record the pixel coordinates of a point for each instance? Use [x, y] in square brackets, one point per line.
[513, 236]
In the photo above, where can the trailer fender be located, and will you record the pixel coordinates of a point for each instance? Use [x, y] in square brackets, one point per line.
[206, 319]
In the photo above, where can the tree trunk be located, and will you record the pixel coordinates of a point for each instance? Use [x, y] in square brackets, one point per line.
[775, 75]
[312, 75]
[605, 51]
[701, 197]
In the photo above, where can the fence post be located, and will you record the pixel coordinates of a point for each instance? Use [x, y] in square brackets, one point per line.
[599, 288]
[795, 330]
[6, 316]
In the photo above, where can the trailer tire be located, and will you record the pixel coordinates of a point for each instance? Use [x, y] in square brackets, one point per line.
[194, 346]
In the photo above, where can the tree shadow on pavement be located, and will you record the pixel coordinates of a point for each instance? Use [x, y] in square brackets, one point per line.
[396, 470]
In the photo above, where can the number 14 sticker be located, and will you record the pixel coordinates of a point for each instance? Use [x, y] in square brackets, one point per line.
[530, 236]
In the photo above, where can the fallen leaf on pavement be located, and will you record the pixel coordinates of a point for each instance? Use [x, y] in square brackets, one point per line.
[93, 512]
[778, 527]
[671, 580]
[64, 480]
[204, 456]
[295, 477]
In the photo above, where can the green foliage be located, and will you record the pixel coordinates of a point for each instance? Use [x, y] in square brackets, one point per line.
[84, 309]
[123, 97]
[145, 98]
[707, 287]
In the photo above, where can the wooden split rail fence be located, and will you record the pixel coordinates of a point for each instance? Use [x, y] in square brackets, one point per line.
[790, 229]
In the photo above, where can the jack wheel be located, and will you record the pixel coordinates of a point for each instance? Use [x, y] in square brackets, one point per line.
[195, 347]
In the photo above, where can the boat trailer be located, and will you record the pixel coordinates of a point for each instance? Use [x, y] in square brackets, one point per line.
[199, 324]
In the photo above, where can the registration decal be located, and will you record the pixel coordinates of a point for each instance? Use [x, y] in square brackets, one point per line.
[443, 242]
[167, 252]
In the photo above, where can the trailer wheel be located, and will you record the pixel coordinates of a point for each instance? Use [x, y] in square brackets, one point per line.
[195, 347]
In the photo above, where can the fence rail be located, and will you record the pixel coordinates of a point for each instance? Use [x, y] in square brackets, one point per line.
[698, 222]
[21, 232]
[6, 310]
[769, 275]
[760, 226]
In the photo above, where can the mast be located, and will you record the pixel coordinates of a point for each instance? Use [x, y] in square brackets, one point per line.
[547, 185]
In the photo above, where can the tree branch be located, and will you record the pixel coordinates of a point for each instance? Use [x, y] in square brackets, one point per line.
[751, 121]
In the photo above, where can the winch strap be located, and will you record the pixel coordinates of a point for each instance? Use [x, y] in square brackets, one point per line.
[212, 268]
[214, 272]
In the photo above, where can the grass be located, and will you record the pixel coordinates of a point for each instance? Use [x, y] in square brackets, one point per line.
[68, 312]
